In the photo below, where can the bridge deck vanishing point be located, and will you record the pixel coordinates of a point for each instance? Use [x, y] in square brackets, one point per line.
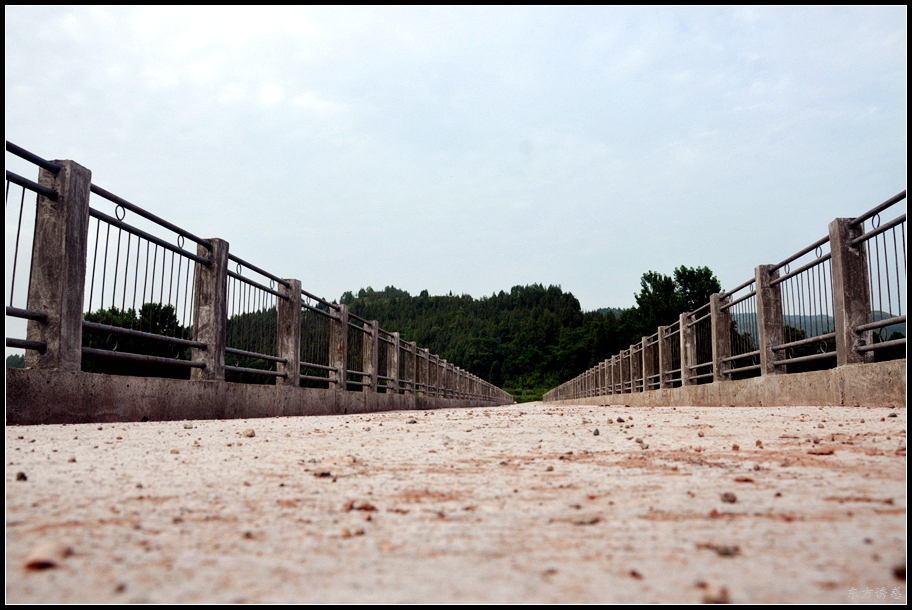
[520, 503]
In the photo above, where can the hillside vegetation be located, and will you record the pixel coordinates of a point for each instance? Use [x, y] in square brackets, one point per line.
[532, 338]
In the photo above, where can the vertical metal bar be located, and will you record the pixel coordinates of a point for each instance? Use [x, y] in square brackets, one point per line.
[16, 252]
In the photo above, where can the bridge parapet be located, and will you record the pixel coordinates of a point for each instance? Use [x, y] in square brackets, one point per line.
[125, 297]
[837, 302]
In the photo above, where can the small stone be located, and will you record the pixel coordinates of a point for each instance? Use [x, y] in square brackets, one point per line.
[71, 460]
[728, 551]
[412, 421]
[759, 444]
[736, 447]
[638, 440]
[700, 434]
[20, 476]
[620, 420]
[820, 425]
[48, 555]
[175, 451]
[719, 598]
[635, 574]
[892, 415]
[549, 469]
[596, 432]
[249, 433]
[729, 497]
[188, 426]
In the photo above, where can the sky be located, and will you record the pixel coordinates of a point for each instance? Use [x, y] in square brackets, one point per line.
[471, 150]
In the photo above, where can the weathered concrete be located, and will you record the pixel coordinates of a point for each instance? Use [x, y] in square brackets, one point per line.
[851, 296]
[518, 504]
[54, 397]
[57, 277]
[875, 384]
[210, 311]
[288, 333]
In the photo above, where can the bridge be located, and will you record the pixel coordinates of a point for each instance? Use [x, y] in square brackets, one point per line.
[185, 332]
[556, 502]
[824, 326]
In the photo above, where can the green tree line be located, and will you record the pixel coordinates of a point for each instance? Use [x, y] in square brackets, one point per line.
[531, 337]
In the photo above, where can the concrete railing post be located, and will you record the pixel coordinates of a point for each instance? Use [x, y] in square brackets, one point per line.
[57, 281]
[370, 355]
[644, 363]
[769, 319]
[210, 311]
[288, 334]
[338, 347]
[664, 358]
[688, 349]
[721, 324]
[426, 371]
[435, 366]
[411, 368]
[392, 363]
[851, 292]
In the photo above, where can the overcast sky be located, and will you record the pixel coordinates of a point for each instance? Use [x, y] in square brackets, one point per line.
[471, 150]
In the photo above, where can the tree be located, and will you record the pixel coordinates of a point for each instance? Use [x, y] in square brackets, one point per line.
[694, 286]
[658, 302]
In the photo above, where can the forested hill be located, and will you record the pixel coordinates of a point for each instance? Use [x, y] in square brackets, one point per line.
[531, 337]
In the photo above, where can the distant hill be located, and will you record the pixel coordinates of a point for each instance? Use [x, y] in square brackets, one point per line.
[813, 326]
[615, 310]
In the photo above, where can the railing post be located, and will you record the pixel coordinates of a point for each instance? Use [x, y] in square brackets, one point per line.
[338, 347]
[436, 368]
[634, 365]
[614, 375]
[288, 329]
[445, 381]
[624, 370]
[851, 293]
[411, 369]
[210, 311]
[664, 357]
[721, 324]
[769, 319]
[57, 281]
[371, 356]
[392, 363]
[426, 371]
[688, 348]
[644, 368]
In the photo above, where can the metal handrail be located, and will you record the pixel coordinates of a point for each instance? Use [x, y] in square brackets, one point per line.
[32, 158]
[879, 208]
[149, 216]
[31, 185]
[148, 236]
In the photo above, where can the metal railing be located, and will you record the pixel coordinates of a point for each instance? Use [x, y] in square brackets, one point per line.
[784, 320]
[139, 291]
[143, 292]
[252, 325]
[885, 249]
[18, 259]
[740, 312]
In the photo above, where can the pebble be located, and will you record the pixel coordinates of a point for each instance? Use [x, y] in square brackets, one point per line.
[621, 420]
[47, 555]
[596, 432]
[20, 476]
[249, 433]
[412, 421]
[729, 497]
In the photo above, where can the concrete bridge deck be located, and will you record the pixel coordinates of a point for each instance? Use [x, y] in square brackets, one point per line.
[511, 504]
